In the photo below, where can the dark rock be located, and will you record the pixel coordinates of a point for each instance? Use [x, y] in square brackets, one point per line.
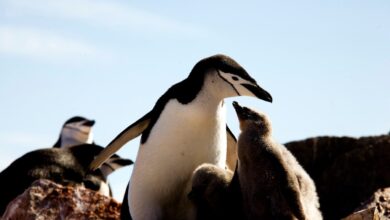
[50, 201]
[347, 171]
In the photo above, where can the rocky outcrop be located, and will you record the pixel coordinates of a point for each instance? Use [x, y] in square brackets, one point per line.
[347, 171]
[377, 207]
[365, 214]
[380, 201]
[50, 201]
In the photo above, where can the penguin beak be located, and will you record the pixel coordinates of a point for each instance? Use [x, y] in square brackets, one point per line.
[238, 108]
[89, 123]
[258, 92]
[121, 162]
[242, 112]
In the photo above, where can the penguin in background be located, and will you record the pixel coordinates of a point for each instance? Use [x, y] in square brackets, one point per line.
[76, 130]
[65, 166]
[273, 184]
[186, 128]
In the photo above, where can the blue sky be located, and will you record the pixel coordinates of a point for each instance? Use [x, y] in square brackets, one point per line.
[326, 64]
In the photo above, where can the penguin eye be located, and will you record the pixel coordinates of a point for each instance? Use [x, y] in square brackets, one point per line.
[235, 78]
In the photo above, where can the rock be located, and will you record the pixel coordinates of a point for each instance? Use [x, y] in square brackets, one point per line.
[375, 208]
[347, 171]
[50, 201]
[366, 214]
[380, 201]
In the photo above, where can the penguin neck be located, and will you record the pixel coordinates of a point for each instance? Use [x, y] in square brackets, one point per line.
[199, 129]
[208, 104]
[68, 142]
[208, 112]
[210, 97]
[253, 146]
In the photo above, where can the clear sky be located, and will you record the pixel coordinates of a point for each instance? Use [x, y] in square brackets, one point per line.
[326, 64]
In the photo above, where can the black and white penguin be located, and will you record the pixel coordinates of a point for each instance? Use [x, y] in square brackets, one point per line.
[76, 130]
[272, 183]
[66, 166]
[186, 128]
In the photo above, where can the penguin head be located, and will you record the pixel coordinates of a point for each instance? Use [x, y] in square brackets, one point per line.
[229, 77]
[76, 130]
[249, 118]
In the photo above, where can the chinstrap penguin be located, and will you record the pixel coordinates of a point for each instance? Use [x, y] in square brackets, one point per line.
[66, 166]
[76, 130]
[186, 128]
[272, 183]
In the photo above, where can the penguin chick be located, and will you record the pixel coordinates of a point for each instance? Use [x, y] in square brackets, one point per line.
[210, 191]
[76, 130]
[216, 193]
[270, 184]
[306, 185]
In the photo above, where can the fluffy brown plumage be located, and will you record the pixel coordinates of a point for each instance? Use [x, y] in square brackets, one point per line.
[273, 185]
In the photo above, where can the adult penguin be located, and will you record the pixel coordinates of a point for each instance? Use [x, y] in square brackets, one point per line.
[186, 128]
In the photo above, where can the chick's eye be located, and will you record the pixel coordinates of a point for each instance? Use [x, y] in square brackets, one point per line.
[235, 78]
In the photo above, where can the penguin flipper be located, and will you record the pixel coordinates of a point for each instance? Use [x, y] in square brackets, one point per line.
[231, 157]
[131, 132]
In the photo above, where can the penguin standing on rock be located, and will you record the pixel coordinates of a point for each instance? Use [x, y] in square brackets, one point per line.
[272, 183]
[76, 130]
[186, 128]
[65, 166]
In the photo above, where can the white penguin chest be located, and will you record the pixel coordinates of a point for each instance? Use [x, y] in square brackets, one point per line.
[183, 137]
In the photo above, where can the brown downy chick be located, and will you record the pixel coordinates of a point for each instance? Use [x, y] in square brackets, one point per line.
[269, 185]
[215, 193]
